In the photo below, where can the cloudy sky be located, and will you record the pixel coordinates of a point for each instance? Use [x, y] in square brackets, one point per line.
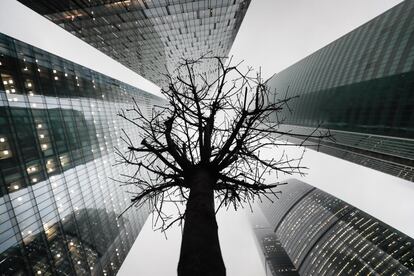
[274, 35]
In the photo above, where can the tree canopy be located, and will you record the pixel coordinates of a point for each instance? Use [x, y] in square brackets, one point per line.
[218, 121]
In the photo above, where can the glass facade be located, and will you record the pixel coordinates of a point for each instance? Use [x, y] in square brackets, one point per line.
[274, 257]
[58, 127]
[324, 235]
[149, 36]
[360, 86]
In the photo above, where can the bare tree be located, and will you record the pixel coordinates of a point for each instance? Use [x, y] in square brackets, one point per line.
[204, 147]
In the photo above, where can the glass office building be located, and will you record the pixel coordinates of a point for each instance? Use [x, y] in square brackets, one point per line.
[149, 36]
[58, 129]
[274, 257]
[360, 87]
[324, 235]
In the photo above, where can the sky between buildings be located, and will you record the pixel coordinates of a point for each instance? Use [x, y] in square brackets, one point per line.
[20, 22]
[274, 35]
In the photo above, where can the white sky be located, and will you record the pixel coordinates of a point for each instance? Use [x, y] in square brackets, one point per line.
[277, 33]
[274, 35]
[20, 22]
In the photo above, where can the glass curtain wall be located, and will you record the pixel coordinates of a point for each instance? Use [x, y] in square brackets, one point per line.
[323, 235]
[58, 129]
[150, 37]
[360, 87]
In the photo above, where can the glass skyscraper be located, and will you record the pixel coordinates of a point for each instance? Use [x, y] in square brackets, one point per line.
[323, 235]
[274, 257]
[360, 87]
[149, 36]
[59, 207]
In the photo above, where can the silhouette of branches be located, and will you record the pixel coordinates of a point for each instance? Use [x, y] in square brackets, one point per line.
[224, 120]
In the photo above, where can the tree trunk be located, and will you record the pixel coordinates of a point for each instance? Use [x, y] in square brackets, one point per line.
[200, 248]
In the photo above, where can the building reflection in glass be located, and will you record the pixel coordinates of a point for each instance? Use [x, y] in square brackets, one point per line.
[69, 245]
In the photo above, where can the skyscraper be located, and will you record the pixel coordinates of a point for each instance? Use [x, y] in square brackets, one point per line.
[58, 127]
[324, 235]
[360, 87]
[149, 36]
[274, 257]
[59, 207]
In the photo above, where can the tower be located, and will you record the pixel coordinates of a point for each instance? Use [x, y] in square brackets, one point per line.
[360, 87]
[322, 234]
[59, 204]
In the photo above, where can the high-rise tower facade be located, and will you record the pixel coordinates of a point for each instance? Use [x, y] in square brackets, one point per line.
[323, 235]
[149, 36]
[274, 257]
[360, 87]
[58, 129]
[59, 207]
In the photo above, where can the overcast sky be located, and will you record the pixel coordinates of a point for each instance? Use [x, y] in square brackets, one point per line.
[20, 22]
[277, 33]
[274, 35]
